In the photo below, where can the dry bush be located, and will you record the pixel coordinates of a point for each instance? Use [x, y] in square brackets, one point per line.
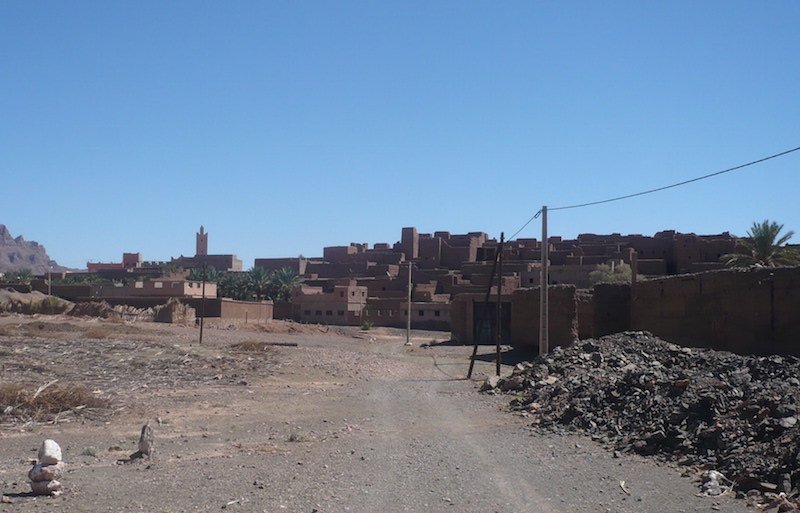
[22, 401]
[252, 346]
[99, 332]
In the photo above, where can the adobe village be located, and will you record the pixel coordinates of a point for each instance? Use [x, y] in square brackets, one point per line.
[408, 376]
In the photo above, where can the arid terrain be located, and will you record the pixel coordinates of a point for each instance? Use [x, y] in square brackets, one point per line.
[343, 421]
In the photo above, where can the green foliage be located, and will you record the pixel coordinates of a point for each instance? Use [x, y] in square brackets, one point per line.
[366, 325]
[765, 246]
[603, 273]
[209, 273]
[282, 282]
[80, 279]
[235, 286]
[21, 276]
[258, 284]
[260, 281]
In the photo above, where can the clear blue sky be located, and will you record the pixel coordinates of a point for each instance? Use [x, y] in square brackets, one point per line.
[286, 126]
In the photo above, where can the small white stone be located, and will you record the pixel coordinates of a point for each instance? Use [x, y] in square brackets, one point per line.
[45, 487]
[49, 452]
[41, 472]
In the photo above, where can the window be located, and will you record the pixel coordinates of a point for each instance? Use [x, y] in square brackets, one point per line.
[139, 285]
[530, 280]
[340, 312]
[391, 313]
[318, 312]
[405, 313]
[328, 312]
[341, 294]
[353, 293]
[422, 313]
[436, 313]
[158, 284]
[380, 312]
[306, 312]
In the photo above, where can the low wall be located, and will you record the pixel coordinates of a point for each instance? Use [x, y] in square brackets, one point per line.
[612, 308]
[746, 311]
[584, 303]
[563, 320]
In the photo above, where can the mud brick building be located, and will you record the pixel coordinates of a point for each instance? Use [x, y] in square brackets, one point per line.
[445, 266]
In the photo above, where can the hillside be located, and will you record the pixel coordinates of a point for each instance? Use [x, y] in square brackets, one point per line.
[17, 254]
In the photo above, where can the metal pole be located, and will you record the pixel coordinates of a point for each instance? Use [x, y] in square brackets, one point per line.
[498, 325]
[203, 305]
[544, 342]
[408, 312]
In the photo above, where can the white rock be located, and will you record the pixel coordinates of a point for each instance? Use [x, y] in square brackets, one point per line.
[45, 487]
[49, 452]
[490, 383]
[41, 472]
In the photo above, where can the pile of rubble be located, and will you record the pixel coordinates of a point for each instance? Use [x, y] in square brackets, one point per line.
[103, 310]
[707, 409]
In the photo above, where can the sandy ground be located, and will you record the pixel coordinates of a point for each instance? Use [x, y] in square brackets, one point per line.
[347, 421]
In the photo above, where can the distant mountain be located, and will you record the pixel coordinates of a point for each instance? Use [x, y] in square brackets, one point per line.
[17, 254]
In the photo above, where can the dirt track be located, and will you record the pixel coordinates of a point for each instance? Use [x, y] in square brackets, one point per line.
[337, 424]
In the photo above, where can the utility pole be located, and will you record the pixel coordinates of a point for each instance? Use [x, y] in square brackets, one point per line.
[498, 325]
[544, 342]
[408, 311]
[203, 305]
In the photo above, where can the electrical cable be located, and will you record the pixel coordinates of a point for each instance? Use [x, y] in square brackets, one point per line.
[658, 189]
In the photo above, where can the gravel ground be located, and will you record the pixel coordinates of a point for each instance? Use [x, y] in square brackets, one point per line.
[345, 422]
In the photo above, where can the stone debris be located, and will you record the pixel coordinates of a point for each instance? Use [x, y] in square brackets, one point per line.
[147, 440]
[46, 471]
[146, 444]
[714, 410]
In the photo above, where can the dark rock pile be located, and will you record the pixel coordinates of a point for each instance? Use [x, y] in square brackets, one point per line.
[708, 409]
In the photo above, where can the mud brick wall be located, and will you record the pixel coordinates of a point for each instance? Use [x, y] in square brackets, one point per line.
[525, 317]
[251, 311]
[282, 310]
[612, 308]
[584, 304]
[754, 311]
[461, 321]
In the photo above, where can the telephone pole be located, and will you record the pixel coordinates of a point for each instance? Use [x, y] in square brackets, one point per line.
[544, 342]
[408, 311]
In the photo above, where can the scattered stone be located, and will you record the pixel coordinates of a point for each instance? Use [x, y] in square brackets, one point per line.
[49, 452]
[735, 414]
[41, 472]
[5, 500]
[146, 444]
[490, 383]
[44, 474]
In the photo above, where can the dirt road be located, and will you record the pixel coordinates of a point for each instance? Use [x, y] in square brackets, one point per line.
[337, 424]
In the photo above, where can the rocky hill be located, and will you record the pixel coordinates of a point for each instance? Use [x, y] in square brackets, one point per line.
[17, 254]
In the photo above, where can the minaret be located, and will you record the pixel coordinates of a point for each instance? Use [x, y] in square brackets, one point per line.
[202, 242]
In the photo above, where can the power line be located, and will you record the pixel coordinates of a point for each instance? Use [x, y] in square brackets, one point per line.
[650, 191]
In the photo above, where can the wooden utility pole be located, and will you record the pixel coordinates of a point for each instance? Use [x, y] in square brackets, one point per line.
[486, 304]
[544, 342]
[498, 325]
[203, 305]
[408, 312]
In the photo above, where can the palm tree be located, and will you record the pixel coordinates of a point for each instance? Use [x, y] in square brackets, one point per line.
[765, 247]
[235, 285]
[260, 280]
[209, 273]
[282, 282]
